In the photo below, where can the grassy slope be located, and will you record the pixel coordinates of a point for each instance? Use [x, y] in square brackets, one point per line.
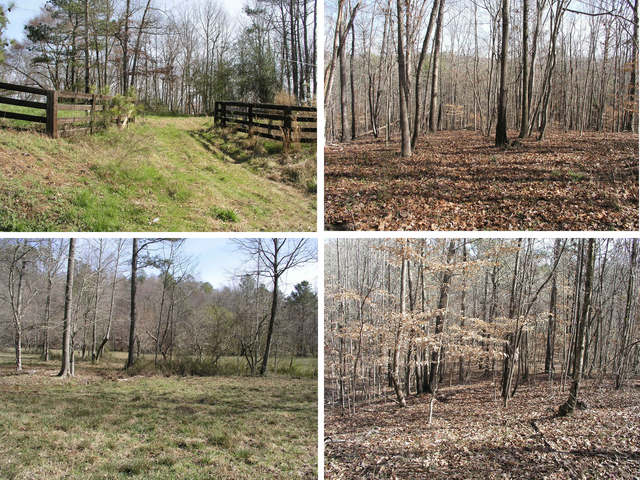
[158, 169]
[101, 426]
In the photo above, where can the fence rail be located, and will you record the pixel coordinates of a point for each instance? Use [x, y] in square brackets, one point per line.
[287, 123]
[54, 102]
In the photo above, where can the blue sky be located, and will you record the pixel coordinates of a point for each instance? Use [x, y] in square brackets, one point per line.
[24, 10]
[219, 262]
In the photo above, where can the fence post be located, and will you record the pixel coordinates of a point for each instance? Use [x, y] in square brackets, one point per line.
[250, 121]
[93, 110]
[52, 113]
[224, 115]
[286, 130]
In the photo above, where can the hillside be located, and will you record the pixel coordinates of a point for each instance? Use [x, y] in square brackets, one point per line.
[160, 174]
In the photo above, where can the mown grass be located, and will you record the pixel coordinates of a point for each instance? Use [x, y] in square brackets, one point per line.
[156, 175]
[94, 426]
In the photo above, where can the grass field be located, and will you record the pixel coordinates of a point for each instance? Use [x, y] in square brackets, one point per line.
[102, 424]
[160, 174]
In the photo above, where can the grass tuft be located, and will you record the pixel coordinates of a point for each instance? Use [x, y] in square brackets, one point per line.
[224, 214]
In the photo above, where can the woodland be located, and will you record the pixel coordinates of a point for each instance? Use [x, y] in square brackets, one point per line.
[179, 60]
[481, 358]
[202, 367]
[489, 114]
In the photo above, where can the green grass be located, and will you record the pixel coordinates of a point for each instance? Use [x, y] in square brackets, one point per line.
[160, 174]
[265, 157]
[95, 426]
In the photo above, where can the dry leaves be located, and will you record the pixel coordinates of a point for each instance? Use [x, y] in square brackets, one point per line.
[457, 180]
[473, 436]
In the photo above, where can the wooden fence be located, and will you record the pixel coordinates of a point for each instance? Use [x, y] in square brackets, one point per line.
[287, 123]
[80, 108]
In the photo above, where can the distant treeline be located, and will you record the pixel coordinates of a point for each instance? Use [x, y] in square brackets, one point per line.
[181, 60]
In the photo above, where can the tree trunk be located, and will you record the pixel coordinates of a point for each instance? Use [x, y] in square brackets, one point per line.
[272, 320]
[501, 127]
[524, 119]
[395, 378]
[132, 324]
[570, 405]
[47, 315]
[437, 356]
[434, 104]
[342, 55]
[66, 369]
[403, 87]
[551, 326]
[423, 53]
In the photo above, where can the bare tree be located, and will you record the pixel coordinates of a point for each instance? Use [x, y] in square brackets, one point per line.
[277, 256]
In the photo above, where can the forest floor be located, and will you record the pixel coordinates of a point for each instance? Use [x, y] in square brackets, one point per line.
[458, 180]
[160, 174]
[104, 424]
[473, 436]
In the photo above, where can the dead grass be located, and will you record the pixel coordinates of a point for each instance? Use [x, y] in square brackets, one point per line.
[113, 427]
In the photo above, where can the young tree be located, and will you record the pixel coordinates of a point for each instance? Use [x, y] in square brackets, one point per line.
[278, 256]
[578, 355]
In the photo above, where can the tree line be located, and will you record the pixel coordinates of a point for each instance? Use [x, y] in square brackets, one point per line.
[404, 316]
[182, 60]
[79, 297]
[486, 65]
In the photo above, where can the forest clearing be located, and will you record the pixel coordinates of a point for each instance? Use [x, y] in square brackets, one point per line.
[142, 358]
[482, 115]
[482, 358]
[458, 180]
[163, 173]
[104, 423]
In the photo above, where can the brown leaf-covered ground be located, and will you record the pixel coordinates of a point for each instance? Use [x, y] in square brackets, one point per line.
[473, 436]
[457, 180]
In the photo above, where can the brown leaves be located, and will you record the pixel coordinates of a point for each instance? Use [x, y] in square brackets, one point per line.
[459, 181]
[472, 436]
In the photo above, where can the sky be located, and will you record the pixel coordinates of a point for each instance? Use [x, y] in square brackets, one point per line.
[219, 262]
[25, 10]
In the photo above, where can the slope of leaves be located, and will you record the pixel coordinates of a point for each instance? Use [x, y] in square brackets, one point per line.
[457, 180]
[473, 436]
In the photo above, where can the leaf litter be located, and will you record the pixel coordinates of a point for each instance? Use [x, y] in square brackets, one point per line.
[473, 436]
[457, 180]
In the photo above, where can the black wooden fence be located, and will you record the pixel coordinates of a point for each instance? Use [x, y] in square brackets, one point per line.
[287, 123]
[86, 106]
